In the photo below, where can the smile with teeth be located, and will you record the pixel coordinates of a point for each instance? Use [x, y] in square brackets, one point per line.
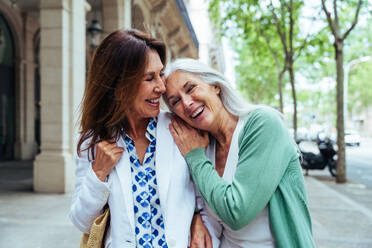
[197, 112]
[153, 101]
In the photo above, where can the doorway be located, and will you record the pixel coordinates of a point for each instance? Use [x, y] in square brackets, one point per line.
[7, 92]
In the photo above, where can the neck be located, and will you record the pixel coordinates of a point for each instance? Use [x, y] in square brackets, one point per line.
[137, 127]
[224, 128]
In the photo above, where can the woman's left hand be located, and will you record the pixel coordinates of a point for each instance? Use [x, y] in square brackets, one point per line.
[186, 137]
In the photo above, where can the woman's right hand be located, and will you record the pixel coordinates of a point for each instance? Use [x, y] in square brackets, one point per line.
[200, 237]
[107, 155]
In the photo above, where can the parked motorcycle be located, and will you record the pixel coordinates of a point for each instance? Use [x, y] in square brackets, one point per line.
[325, 158]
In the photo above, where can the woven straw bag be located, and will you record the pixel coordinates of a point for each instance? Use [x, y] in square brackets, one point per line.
[95, 239]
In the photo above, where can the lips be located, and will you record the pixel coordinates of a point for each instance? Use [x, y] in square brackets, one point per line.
[154, 102]
[197, 112]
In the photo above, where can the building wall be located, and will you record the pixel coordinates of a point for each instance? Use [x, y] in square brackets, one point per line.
[210, 48]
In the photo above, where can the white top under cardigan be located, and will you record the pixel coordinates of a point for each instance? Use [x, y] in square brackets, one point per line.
[177, 196]
[256, 234]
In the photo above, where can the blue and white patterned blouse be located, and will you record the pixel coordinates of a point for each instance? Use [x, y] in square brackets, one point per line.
[147, 211]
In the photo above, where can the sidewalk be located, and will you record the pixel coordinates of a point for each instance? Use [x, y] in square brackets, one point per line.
[341, 214]
[32, 220]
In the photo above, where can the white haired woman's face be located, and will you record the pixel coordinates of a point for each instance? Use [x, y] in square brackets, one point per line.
[193, 100]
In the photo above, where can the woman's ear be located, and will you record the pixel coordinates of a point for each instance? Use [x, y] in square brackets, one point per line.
[217, 89]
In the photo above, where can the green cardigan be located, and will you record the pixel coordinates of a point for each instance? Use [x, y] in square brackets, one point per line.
[268, 172]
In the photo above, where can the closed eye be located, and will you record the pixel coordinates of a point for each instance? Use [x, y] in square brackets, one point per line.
[190, 88]
[175, 101]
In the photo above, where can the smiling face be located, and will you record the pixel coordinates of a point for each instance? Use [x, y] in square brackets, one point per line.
[193, 100]
[146, 104]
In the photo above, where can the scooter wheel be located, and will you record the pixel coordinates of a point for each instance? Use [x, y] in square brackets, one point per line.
[332, 169]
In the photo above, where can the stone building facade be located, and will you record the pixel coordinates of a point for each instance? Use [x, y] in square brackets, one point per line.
[44, 51]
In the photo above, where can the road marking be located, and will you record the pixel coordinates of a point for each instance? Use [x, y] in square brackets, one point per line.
[357, 185]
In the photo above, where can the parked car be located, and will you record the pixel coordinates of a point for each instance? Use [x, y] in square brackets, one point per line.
[352, 138]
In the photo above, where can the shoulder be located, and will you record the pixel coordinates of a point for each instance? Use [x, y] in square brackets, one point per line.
[264, 116]
[263, 123]
[164, 118]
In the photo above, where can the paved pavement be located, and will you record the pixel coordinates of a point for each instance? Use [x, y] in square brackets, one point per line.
[341, 214]
[32, 220]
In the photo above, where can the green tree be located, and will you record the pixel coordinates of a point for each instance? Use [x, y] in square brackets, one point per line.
[275, 26]
[257, 68]
[339, 38]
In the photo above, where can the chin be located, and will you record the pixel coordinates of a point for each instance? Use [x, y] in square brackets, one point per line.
[200, 126]
[203, 124]
[154, 113]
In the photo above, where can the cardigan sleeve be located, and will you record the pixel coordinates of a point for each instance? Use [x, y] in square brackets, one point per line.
[265, 150]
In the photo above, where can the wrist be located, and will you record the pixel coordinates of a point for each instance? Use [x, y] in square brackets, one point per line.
[100, 174]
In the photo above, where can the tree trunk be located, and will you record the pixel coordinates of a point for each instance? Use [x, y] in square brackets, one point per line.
[292, 80]
[341, 163]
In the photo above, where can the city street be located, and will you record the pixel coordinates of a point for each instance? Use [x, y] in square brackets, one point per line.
[359, 163]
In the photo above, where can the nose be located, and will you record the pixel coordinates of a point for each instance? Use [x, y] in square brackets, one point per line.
[160, 86]
[186, 101]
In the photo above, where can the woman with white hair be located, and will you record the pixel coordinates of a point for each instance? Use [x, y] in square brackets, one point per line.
[242, 159]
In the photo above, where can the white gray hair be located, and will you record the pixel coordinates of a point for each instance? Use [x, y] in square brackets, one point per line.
[231, 99]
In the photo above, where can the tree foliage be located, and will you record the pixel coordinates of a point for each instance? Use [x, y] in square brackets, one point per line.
[252, 27]
[272, 25]
[261, 87]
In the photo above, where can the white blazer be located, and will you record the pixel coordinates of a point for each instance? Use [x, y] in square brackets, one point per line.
[176, 192]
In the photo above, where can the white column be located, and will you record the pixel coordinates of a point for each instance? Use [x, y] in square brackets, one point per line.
[77, 72]
[127, 22]
[62, 74]
[116, 15]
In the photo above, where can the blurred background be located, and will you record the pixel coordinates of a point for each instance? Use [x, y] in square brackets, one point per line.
[311, 60]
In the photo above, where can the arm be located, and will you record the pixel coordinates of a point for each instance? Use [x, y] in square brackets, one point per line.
[91, 189]
[213, 228]
[265, 150]
[89, 198]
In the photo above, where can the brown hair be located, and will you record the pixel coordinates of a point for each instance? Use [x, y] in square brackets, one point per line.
[116, 69]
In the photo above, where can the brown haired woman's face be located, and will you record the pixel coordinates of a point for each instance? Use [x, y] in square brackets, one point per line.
[146, 103]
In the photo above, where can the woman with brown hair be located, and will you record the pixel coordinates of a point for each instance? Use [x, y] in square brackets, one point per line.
[126, 157]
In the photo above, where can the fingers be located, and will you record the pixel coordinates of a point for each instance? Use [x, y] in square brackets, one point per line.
[117, 150]
[177, 125]
[107, 156]
[107, 146]
[109, 152]
[182, 127]
[208, 242]
[197, 243]
[173, 130]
